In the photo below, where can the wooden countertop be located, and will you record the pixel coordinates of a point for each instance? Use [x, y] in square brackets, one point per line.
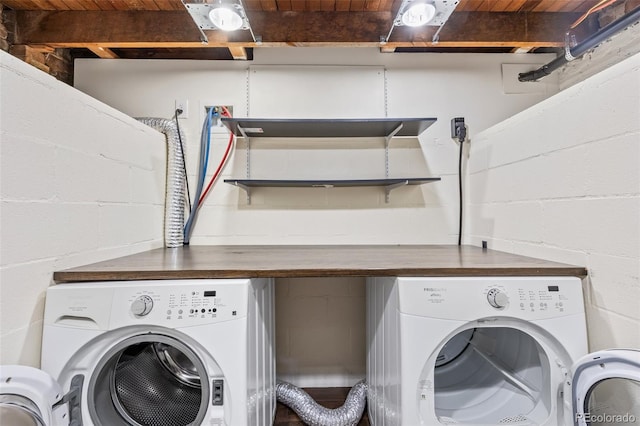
[316, 261]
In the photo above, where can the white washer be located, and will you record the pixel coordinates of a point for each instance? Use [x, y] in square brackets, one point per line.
[487, 351]
[186, 352]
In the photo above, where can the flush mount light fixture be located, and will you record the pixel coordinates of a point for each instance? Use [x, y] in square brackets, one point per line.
[224, 15]
[225, 18]
[416, 13]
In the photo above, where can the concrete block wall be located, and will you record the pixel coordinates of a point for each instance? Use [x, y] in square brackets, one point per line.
[561, 181]
[80, 182]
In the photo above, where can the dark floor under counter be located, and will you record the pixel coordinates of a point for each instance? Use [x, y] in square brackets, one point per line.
[285, 261]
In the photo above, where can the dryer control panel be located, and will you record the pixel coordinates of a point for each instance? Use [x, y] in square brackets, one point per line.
[471, 298]
[544, 299]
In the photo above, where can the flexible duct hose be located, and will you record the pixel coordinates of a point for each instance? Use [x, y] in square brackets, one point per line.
[175, 190]
[314, 414]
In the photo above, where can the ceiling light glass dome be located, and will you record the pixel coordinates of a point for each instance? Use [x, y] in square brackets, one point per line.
[418, 14]
[225, 18]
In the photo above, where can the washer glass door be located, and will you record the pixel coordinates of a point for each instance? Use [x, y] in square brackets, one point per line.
[30, 397]
[605, 389]
[17, 410]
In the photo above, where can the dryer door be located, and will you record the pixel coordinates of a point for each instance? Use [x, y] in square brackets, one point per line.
[29, 396]
[605, 389]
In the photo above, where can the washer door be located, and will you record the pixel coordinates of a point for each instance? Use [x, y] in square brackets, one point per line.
[28, 397]
[605, 388]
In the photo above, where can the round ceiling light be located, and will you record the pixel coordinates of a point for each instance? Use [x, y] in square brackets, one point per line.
[225, 18]
[418, 14]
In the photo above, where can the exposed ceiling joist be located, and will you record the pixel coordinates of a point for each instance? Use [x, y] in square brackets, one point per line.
[238, 52]
[175, 29]
[103, 52]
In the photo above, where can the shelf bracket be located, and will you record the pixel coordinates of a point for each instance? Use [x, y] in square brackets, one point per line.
[389, 188]
[246, 189]
[248, 142]
[387, 140]
[395, 131]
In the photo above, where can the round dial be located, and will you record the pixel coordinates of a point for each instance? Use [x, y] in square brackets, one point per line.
[142, 306]
[497, 298]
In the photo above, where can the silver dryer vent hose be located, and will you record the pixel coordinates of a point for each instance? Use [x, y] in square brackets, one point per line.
[314, 414]
[175, 190]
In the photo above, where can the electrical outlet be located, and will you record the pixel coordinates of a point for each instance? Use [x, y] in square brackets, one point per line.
[458, 129]
[182, 104]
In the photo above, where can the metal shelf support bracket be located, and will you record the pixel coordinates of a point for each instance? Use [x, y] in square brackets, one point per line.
[246, 189]
[387, 140]
[248, 142]
[389, 188]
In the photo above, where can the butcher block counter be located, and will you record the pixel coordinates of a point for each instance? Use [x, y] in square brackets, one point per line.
[199, 262]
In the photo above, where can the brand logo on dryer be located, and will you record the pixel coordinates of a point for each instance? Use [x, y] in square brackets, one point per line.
[435, 294]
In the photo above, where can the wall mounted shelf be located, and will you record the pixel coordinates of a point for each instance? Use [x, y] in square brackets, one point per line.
[386, 128]
[387, 184]
[327, 128]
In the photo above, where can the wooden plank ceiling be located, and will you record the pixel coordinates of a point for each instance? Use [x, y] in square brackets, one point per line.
[163, 28]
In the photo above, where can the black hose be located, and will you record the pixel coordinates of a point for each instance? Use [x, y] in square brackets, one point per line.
[582, 48]
[461, 135]
[460, 192]
[184, 164]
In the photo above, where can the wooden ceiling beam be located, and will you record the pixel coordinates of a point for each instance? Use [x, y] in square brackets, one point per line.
[103, 52]
[238, 52]
[172, 29]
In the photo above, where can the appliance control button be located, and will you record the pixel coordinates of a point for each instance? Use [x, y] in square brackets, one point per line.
[142, 306]
[497, 298]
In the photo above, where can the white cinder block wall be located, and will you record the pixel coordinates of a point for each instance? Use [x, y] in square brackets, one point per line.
[321, 322]
[80, 182]
[561, 181]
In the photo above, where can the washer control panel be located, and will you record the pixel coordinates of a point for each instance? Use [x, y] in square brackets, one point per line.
[180, 303]
[142, 306]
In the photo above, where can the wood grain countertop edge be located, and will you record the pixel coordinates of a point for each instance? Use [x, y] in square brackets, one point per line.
[191, 263]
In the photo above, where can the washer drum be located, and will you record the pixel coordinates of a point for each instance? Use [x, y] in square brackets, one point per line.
[154, 382]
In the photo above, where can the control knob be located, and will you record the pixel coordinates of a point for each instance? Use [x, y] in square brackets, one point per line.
[142, 306]
[497, 298]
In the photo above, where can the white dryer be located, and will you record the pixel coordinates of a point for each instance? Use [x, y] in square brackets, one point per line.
[189, 352]
[490, 351]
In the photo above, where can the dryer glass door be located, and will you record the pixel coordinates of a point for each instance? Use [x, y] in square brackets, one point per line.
[605, 389]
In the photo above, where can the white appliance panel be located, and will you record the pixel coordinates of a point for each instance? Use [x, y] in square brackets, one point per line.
[228, 324]
[495, 315]
[468, 298]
